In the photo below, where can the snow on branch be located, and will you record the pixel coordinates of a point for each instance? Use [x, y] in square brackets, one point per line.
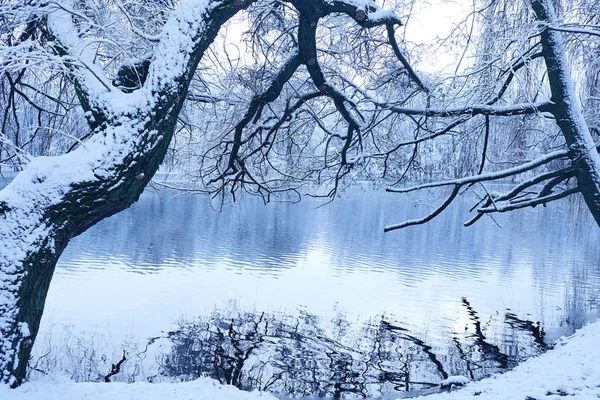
[365, 12]
[576, 29]
[476, 109]
[529, 202]
[78, 51]
[188, 26]
[492, 202]
[518, 194]
[135, 29]
[488, 176]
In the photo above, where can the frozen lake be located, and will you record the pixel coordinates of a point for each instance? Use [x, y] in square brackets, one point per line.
[320, 296]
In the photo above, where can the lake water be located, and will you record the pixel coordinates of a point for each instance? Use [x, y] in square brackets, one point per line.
[304, 300]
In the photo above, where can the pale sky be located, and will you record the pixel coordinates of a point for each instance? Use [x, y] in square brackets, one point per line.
[430, 21]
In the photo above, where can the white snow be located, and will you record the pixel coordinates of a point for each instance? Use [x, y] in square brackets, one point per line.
[571, 369]
[61, 389]
[456, 380]
[374, 12]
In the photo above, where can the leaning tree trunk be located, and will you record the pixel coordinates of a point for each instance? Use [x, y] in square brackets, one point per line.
[567, 110]
[38, 230]
[57, 198]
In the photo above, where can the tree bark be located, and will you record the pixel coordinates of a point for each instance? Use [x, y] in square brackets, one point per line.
[567, 110]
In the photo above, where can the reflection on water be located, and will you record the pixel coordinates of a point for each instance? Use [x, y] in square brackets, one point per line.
[300, 356]
[478, 298]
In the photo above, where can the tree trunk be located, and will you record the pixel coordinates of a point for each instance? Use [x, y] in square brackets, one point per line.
[567, 109]
[51, 228]
[57, 198]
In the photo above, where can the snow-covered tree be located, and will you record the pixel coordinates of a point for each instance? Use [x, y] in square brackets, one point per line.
[131, 107]
[514, 41]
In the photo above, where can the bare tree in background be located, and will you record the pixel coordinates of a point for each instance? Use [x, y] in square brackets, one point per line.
[505, 117]
[578, 161]
[327, 97]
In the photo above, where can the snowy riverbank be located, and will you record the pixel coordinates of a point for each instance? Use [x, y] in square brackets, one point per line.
[201, 389]
[571, 369]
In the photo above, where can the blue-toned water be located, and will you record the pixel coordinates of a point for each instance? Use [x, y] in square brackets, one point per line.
[443, 299]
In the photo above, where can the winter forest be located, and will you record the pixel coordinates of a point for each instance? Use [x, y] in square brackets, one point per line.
[299, 199]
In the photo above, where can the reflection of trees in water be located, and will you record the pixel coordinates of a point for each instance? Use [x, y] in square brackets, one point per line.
[307, 356]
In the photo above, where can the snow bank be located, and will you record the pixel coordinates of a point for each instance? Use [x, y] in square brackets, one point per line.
[56, 389]
[572, 369]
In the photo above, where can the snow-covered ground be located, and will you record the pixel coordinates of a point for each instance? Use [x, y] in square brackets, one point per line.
[571, 370]
[201, 389]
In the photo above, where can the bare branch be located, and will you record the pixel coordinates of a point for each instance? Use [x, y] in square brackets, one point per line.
[490, 176]
[529, 203]
[472, 110]
[411, 72]
[428, 217]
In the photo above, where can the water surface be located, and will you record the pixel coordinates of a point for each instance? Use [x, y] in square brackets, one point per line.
[236, 293]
